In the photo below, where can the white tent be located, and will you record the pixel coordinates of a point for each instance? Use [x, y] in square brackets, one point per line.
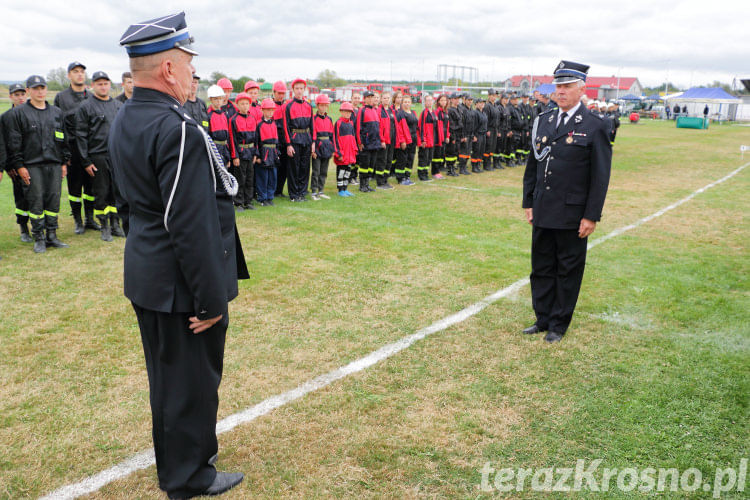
[721, 105]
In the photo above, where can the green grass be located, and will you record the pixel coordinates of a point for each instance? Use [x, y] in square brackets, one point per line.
[653, 372]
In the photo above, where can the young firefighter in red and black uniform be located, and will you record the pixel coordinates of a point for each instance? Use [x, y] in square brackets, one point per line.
[387, 139]
[279, 99]
[17, 97]
[228, 106]
[368, 140]
[356, 106]
[406, 141]
[480, 137]
[267, 154]
[425, 139]
[218, 124]
[242, 148]
[253, 89]
[346, 148]
[323, 137]
[298, 117]
[441, 136]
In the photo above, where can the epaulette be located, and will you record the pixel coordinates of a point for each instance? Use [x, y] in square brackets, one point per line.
[182, 114]
[547, 111]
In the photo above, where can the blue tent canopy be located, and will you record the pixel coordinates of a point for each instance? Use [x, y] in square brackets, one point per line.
[546, 88]
[630, 97]
[654, 97]
[707, 93]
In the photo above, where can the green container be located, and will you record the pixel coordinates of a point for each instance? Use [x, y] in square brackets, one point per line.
[692, 122]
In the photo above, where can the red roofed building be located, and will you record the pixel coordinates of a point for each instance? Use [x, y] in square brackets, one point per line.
[597, 87]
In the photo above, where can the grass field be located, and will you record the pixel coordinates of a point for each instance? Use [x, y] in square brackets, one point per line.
[654, 370]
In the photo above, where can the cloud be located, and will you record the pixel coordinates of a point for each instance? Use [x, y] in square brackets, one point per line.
[689, 42]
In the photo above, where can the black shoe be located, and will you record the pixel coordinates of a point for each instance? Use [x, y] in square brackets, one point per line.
[269, 203]
[534, 329]
[223, 482]
[249, 206]
[106, 233]
[553, 337]
[115, 225]
[80, 228]
[52, 240]
[25, 236]
[91, 224]
[39, 245]
[238, 208]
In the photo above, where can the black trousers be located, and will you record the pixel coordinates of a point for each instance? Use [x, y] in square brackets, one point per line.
[464, 152]
[184, 372]
[477, 152]
[367, 159]
[281, 170]
[424, 162]
[451, 152]
[103, 187]
[245, 174]
[384, 163]
[22, 206]
[319, 174]
[489, 150]
[558, 258]
[80, 183]
[343, 172]
[438, 159]
[299, 170]
[43, 196]
[404, 161]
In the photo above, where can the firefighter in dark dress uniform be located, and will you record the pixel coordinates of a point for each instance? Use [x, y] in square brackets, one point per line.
[564, 186]
[182, 253]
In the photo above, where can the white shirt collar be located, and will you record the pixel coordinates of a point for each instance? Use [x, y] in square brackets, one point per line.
[570, 113]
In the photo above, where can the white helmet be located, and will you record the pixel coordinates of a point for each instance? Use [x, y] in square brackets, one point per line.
[215, 91]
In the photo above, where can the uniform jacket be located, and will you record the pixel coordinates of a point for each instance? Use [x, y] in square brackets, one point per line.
[493, 116]
[442, 131]
[298, 116]
[517, 123]
[387, 125]
[456, 125]
[470, 122]
[93, 119]
[368, 128]
[323, 135]
[190, 260]
[68, 101]
[503, 119]
[218, 129]
[344, 142]
[229, 109]
[267, 135]
[481, 121]
[426, 130]
[36, 137]
[278, 117]
[573, 184]
[198, 110]
[242, 143]
[5, 120]
[465, 112]
[406, 127]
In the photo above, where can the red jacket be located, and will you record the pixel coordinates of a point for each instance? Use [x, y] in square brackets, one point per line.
[218, 129]
[404, 132]
[442, 131]
[298, 116]
[267, 148]
[344, 142]
[368, 128]
[387, 125]
[426, 129]
[323, 135]
[242, 136]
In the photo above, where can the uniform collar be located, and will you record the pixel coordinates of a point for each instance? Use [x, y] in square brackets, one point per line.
[144, 94]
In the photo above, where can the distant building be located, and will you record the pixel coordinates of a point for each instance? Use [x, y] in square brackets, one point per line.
[597, 87]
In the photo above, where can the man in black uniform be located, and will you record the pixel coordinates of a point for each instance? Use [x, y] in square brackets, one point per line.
[79, 184]
[127, 87]
[93, 120]
[18, 98]
[503, 132]
[528, 120]
[182, 253]
[464, 144]
[517, 128]
[455, 130]
[564, 187]
[196, 107]
[493, 122]
[479, 140]
[38, 154]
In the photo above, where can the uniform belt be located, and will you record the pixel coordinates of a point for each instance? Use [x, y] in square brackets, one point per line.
[220, 143]
[300, 130]
[270, 146]
[245, 146]
[324, 138]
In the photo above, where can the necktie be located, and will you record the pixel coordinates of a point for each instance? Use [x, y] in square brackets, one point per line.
[562, 120]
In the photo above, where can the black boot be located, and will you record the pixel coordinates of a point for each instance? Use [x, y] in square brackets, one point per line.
[25, 236]
[39, 244]
[90, 221]
[105, 229]
[52, 240]
[364, 184]
[114, 222]
[80, 228]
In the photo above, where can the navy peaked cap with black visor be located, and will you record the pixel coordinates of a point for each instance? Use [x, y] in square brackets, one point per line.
[158, 35]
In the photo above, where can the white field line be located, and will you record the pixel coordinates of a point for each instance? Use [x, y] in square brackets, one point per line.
[145, 459]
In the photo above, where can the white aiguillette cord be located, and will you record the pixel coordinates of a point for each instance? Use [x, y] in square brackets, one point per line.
[217, 166]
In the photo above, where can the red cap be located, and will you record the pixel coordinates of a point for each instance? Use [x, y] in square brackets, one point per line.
[225, 84]
[346, 106]
[251, 84]
[299, 80]
[268, 104]
[242, 95]
[322, 99]
[279, 86]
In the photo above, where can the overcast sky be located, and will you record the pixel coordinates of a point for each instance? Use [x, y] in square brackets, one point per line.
[687, 42]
